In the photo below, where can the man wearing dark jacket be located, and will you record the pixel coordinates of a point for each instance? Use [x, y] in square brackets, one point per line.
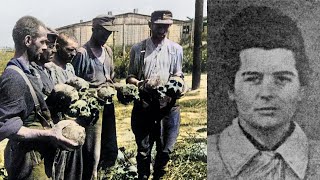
[94, 63]
[30, 150]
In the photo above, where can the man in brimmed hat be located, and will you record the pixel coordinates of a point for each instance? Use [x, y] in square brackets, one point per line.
[152, 62]
[94, 63]
[267, 69]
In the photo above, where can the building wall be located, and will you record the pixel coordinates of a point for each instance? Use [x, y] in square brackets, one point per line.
[131, 29]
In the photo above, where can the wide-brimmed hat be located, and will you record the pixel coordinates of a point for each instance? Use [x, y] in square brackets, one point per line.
[105, 21]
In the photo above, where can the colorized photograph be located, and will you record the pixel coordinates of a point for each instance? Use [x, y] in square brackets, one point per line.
[103, 90]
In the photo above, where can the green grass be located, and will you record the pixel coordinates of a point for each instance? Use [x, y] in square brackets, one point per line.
[188, 160]
[4, 58]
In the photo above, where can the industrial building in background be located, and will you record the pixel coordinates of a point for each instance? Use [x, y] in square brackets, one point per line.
[131, 27]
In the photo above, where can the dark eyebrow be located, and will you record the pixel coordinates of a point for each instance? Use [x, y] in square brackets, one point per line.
[248, 73]
[281, 73]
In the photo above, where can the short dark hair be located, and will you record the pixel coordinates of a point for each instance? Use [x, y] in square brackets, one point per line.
[63, 38]
[261, 27]
[26, 25]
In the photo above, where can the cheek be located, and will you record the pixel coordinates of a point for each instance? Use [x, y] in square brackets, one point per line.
[244, 101]
[244, 96]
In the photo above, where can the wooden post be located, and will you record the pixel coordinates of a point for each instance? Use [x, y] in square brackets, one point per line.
[198, 26]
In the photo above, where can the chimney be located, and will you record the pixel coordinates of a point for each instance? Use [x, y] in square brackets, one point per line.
[135, 11]
[109, 12]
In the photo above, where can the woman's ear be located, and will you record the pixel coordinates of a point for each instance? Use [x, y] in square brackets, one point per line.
[27, 40]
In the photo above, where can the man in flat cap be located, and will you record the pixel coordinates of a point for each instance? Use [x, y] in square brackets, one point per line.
[267, 69]
[94, 63]
[153, 62]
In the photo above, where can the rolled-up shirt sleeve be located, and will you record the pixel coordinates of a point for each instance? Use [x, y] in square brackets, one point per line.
[10, 122]
[13, 106]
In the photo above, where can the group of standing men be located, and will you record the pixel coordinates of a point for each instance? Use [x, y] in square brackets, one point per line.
[44, 58]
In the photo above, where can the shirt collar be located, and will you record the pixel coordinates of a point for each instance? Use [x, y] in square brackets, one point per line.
[236, 150]
[160, 46]
[21, 64]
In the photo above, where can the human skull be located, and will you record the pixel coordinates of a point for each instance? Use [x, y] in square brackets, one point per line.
[93, 103]
[130, 90]
[79, 108]
[174, 86]
[162, 90]
[93, 92]
[78, 83]
[83, 92]
[74, 132]
[106, 93]
[67, 91]
[127, 93]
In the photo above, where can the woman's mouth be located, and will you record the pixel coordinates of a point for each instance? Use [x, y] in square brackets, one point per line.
[266, 111]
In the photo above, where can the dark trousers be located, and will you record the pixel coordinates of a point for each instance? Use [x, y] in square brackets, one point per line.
[68, 165]
[101, 143]
[151, 125]
[109, 145]
[29, 160]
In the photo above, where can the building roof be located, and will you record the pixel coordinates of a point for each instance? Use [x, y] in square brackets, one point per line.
[85, 23]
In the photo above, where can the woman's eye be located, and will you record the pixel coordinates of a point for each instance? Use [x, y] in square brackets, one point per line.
[252, 79]
[283, 79]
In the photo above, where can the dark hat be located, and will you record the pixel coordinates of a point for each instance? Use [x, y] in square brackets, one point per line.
[105, 21]
[52, 34]
[161, 17]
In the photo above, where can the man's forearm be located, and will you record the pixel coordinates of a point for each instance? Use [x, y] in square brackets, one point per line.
[27, 134]
[133, 80]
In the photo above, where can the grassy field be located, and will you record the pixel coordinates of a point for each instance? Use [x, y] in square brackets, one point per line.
[188, 160]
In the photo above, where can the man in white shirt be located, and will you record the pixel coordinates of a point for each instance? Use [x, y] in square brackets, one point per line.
[152, 62]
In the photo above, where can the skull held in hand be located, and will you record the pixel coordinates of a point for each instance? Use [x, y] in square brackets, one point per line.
[162, 90]
[83, 92]
[64, 95]
[94, 104]
[78, 83]
[74, 132]
[106, 93]
[128, 93]
[175, 87]
[79, 109]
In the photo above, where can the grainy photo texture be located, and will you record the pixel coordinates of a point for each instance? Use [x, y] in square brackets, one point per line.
[263, 95]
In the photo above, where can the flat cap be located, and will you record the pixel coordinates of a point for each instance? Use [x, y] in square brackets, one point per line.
[52, 34]
[161, 17]
[105, 21]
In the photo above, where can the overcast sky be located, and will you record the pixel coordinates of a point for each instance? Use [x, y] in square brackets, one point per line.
[57, 13]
